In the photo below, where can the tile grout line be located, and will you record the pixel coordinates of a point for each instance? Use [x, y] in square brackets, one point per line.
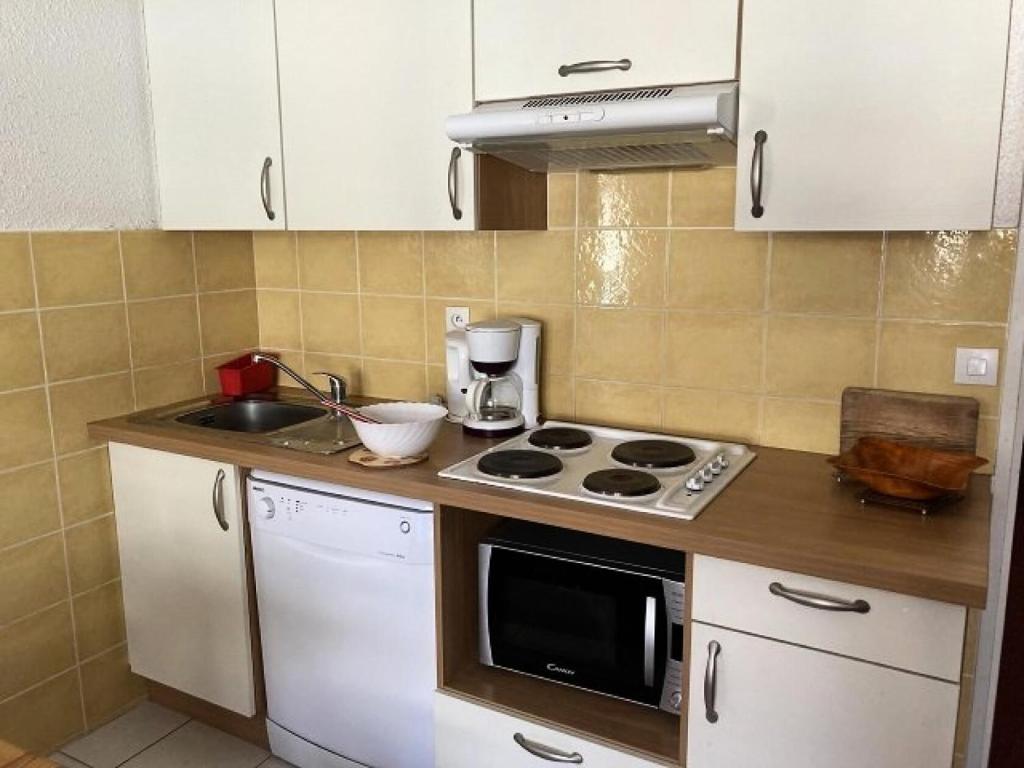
[127, 324]
[40, 537]
[423, 297]
[150, 746]
[880, 305]
[359, 309]
[199, 313]
[575, 305]
[298, 284]
[762, 402]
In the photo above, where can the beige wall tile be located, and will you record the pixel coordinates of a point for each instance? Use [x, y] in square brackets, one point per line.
[224, 261]
[16, 289]
[706, 413]
[919, 357]
[35, 648]
[330, 323]
[44, 718]
[623, 199]
[168, 384]
[327, 261]
[561, 200]
[536, 266]
[817, 357]
[92, 554]
[85, 489]
[459, 264]
[293, 358]
[280, 325]
[276, 259]
[20, 351]
[801, 425]
[717, 270]
[76, 403]
[158, 264]
[99, 619]
[618, 405]
[26, 428]
[558, 331]
[703, 198]
[391, 262]
[557, 400]
[77, 268]
[951, 275]
[85, 341]
[621, 267]
[164, 331]
[735, 363]
[394, 328]
[437, 325]
[30, 504]
[619, 344]
[349, 368]
[108, 686]
[33, 576]
[400, 381]
[437, 381]
[229, 321]
[832, 273]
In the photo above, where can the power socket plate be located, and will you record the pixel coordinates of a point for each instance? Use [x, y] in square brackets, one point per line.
[455, 318]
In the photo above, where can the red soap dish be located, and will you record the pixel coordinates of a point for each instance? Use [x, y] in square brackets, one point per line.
[242, 376]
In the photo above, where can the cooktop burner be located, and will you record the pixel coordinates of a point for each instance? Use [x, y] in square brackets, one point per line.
[653, 454]
[519, 464]
[561, 438]
[621, 482]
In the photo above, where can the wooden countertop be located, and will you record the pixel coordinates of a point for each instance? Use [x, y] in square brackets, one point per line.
[783, 511]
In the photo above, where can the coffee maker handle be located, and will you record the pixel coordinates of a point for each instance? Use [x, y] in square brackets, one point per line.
[474, 392]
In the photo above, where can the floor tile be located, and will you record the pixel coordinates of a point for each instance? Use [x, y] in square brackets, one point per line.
[66, 762]
[117, 741]
[198, 746]
[276, 762]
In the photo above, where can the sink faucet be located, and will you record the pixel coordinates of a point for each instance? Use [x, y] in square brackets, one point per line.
[337, 383]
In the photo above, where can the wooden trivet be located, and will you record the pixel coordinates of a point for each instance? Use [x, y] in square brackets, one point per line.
[367, 458]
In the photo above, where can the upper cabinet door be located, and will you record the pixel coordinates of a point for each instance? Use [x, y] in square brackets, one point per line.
[873, 115]
[534, 47]
[213, 75]
[365, 90]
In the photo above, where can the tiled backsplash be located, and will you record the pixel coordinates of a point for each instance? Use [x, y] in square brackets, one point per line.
[656, 315]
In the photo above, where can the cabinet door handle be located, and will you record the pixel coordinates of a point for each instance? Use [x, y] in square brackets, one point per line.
[265, 188]
[547, 753]
[218, 500]
[757, 174]
[819, 601]
[582, 67]
[453, 183]
[711, 681]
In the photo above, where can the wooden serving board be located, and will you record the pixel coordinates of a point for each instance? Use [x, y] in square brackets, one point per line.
[946, 422]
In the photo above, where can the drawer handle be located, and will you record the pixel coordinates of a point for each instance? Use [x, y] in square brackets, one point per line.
[582, 67]
[819, 601]
[757, 174]
[711, 681]
[218, 500]
[545, 752]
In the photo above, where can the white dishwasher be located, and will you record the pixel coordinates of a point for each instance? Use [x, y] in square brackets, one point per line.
[345, 587]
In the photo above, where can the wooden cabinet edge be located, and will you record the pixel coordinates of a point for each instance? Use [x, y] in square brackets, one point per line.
[509, 197]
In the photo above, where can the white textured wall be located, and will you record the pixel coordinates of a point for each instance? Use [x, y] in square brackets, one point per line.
[75, 128]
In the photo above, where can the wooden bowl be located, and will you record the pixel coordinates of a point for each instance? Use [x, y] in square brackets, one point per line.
[907, 471]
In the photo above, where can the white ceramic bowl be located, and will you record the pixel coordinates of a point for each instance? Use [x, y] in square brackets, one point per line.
[408, 429]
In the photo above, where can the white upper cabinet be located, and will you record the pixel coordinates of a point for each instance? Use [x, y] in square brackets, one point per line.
[533, 47]
[875, 115]
[365, 90]
[213, 76]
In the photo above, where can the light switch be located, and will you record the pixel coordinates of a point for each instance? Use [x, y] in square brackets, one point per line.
[976, 366]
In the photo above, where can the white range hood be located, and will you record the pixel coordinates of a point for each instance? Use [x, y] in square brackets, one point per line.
[678, 126]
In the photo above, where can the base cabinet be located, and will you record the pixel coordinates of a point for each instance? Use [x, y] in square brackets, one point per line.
[181, 539]
[776, 705]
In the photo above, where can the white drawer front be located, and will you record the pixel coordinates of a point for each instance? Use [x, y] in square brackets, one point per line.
[910, 633]
[471, 736]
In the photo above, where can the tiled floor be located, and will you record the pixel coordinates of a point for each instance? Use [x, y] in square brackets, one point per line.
[150, 736]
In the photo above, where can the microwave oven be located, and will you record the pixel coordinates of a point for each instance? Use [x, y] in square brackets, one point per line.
[583, 610]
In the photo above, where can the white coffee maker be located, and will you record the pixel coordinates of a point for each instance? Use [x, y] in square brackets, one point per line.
[494, 376]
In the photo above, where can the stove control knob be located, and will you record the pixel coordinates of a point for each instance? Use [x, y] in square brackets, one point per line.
[404, 526]
[676, 700]
[695, 483]
[723, 461]
[707, 474]
[265, 508]
[716, 466]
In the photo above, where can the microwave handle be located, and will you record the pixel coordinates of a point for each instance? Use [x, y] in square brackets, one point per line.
[649, 632]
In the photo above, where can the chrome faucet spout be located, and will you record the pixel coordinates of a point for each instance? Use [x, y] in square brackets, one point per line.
[337, 383]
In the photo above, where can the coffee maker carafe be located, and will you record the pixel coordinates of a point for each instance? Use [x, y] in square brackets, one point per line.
[493, 376]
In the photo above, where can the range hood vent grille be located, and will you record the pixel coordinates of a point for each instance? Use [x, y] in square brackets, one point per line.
[609, 157]
[598, 98]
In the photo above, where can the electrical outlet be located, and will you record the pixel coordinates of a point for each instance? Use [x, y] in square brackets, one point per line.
[455, 318]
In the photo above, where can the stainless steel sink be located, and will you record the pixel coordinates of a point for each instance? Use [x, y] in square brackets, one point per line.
[253, 416]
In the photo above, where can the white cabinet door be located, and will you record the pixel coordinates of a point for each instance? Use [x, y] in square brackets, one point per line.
[365, 90]
[185, 588]
[877, 115]
[520, 46]
[783, 706]
[213, 76]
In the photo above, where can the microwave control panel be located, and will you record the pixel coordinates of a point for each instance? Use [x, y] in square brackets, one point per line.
[672, 690]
